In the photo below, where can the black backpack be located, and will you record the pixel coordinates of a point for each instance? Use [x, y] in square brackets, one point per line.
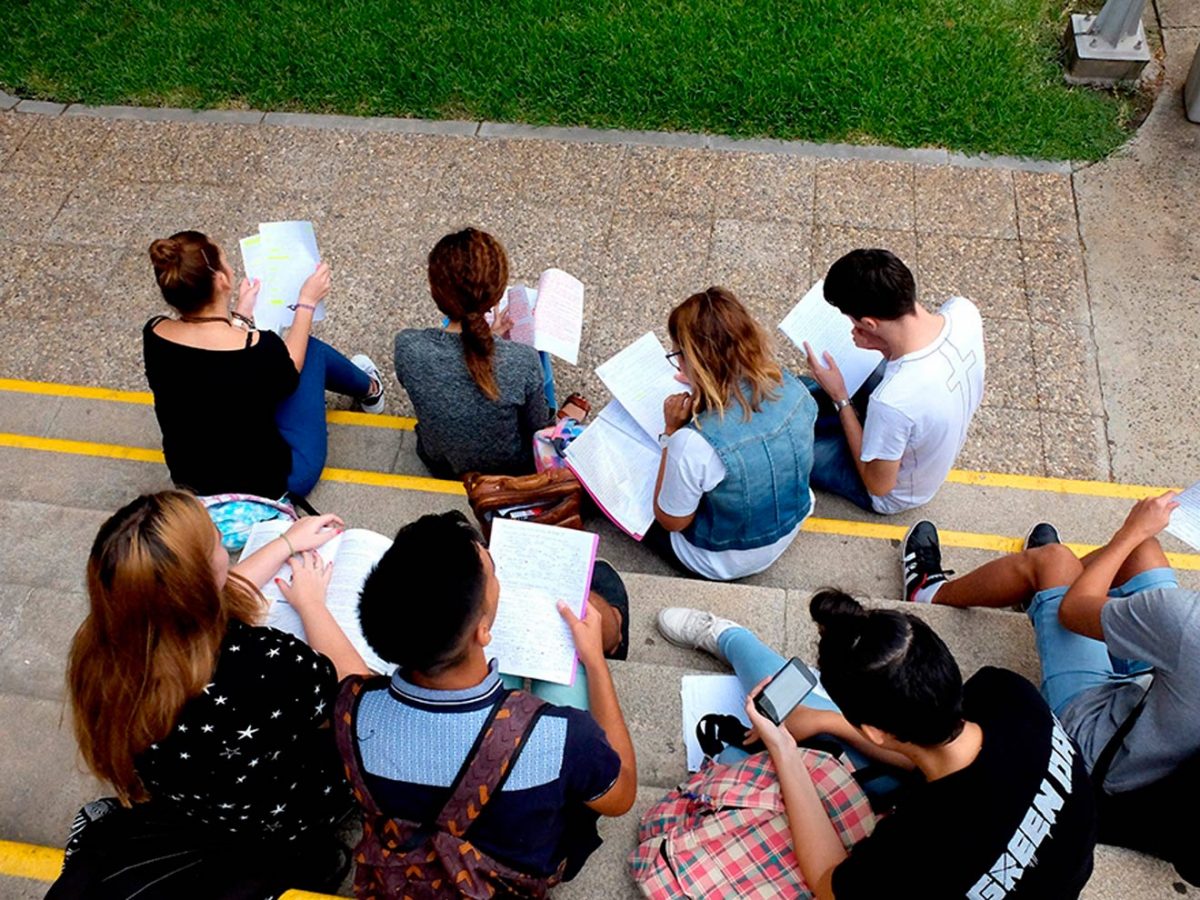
[1142, 819]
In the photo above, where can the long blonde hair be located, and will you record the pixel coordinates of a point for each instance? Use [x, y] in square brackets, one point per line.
[153, 630]
[727, 352]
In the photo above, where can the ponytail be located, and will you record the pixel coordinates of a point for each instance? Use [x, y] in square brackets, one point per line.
[887, 669]
[468, 271]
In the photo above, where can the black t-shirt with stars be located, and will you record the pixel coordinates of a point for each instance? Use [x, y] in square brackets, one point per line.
[250, 754]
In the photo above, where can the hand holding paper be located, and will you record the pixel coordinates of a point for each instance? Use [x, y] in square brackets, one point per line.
[814, 323]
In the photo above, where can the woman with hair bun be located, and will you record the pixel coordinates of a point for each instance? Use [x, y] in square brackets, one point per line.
[478, 400]
[1002, 807]
[241, 410]
[212, 729]
[737, 451]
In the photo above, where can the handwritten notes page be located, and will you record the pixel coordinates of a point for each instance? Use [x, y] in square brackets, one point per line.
[617, 464]
[282, 255]
[354, 554]
[558, 317]
[641, 379]
[1185, 519]
[537, 566]
[814, 320]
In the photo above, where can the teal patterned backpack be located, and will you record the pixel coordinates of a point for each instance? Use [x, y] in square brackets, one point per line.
[235, 514]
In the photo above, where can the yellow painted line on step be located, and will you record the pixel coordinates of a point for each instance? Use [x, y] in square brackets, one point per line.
[45, 863]
[144, 398]
[143, 454]
[1056, 485]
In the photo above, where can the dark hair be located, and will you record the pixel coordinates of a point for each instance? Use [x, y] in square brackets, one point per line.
[184, 267]
[425, 594]
[728, 353]
[871, 283]
[468, 271]
[887, 669]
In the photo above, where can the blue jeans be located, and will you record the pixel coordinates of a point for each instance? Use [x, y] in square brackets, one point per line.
[573, 695]
[301, 417]
[548, 380]
[834, 470]
[1072, 663]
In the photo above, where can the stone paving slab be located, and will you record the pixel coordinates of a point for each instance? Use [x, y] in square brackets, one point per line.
[82, 196]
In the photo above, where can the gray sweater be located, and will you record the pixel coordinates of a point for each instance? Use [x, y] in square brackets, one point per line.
[459, 429]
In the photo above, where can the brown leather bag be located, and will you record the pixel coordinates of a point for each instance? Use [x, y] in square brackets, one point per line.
[552, 497]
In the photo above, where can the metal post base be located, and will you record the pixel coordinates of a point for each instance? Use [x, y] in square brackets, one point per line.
[1092, 60]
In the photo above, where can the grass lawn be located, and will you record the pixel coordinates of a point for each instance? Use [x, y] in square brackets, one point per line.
[972, 75]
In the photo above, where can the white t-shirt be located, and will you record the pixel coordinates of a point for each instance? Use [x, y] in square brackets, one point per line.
[694, 469]
[920, 411]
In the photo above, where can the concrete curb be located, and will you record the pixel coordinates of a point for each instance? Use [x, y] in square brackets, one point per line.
[924, 156]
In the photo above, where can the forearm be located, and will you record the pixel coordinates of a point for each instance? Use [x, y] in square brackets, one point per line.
[1098, 573]
[835, 725]
[263, 565]
[814, 839]
[606, 710]
[326, 637]
[854, 439]
[297, 337]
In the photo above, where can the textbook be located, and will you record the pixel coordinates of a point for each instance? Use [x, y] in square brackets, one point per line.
[550, 316]
[827, 329]
[354, 554]
[617, 464]
[1185, 518]
[538, 565]
[282, 256]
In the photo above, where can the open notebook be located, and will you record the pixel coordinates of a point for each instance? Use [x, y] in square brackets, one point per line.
[550, 316]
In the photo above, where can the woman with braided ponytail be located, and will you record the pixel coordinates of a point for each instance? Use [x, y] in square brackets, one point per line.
[478, 400]
[1001, 806]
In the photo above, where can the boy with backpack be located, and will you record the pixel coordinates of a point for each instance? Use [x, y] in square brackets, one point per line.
[1119, 643]
[469, 788]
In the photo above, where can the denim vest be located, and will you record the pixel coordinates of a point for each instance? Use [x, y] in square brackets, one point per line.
[767, 460]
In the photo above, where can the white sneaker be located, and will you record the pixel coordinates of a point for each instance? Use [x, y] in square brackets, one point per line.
[693, 628]
[372, 404]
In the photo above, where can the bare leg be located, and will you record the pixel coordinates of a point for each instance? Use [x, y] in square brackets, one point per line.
[610, 620]
[1145, 556]
[1013, 579]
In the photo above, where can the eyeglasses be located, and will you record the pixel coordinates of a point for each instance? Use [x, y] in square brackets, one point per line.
[671, 358]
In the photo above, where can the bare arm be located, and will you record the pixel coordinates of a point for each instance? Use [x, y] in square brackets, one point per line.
[314, 290]
[606, 710]
[306, 594]
[804, 723]
[677, 412]
[1084, 601]
[309, 533]
[815, 841]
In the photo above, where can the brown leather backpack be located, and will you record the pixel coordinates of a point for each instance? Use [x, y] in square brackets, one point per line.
[553, 497]
[436, 860]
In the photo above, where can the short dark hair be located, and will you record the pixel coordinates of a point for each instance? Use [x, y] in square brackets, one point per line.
[425, 594]
[887, 669]
[871, 283]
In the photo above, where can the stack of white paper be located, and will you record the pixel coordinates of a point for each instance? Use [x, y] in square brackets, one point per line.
[282, 256]
[1185, 519]
[827, 330]
[537, 566]
[641, 379]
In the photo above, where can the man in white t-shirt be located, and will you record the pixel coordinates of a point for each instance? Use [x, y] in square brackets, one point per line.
[890, 447]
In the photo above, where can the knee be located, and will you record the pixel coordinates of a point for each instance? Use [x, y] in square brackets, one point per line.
[1052, 565]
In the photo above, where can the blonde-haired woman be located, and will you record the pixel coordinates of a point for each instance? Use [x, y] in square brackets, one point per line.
[732, 486]
[211, 729]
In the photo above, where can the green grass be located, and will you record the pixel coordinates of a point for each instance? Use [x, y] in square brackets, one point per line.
[971, 75]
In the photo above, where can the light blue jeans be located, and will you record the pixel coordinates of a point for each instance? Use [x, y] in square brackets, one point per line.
[573, 695]
[1072, 663]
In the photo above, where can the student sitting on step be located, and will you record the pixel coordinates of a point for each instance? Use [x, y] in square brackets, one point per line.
[890, 447]
[1005, 809]
[241, 410]
[478, 400]
[212, 729]
[428, 607]
[732, 486]
[1119, 642]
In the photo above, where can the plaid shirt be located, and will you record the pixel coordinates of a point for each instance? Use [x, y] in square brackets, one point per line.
[724, 832]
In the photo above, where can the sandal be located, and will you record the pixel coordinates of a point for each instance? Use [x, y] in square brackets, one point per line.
[608, 584]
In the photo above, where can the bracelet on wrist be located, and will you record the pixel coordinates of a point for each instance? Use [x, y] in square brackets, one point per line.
[291, 549]
[311, 307]
[248, 321]
[839, 405]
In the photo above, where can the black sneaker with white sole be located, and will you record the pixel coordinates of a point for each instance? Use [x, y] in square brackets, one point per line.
[921, 558]
[1040, 535]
